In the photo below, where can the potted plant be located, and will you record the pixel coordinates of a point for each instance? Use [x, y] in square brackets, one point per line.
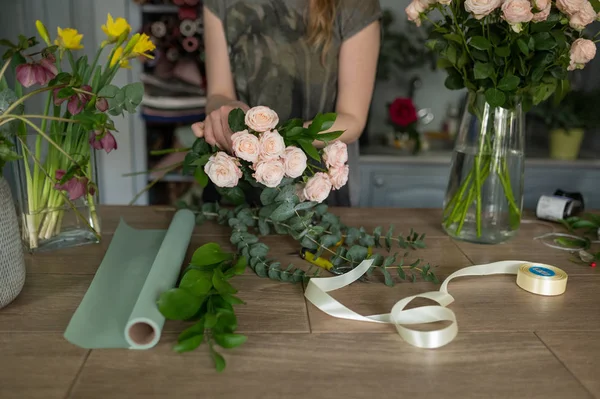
[55, 172]
[567, 121]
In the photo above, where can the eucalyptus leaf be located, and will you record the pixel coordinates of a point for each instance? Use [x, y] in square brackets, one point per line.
[267, 196]
[283, 212]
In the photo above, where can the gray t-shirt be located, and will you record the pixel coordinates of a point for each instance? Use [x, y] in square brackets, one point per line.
[273, 65]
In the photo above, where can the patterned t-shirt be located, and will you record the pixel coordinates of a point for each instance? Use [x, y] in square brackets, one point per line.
[273, 65]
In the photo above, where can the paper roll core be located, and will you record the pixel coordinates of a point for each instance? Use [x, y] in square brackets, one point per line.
[141, 333]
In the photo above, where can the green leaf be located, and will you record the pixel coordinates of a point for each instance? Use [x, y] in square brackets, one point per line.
[263, 227]
[235, 194]
[480, 55]
[538, 73]
[454, 82]
[389, 281]
[584, 224]
[240, 265]
[222, 286]
[509, 82]
[295, 131]
[523, 46]
[210, 320]
[230, 341]
[267, 196]
[352, 235]
[201, 177]
[310, 150]
[321, 122]
[451, 54]
[234, 300]
[503, 51]
[236, 120]
[495, 97]
[285, 194]
[559, 36]
[259, 250]
[219, 361]
[178, 304]
[401, 273]
[377, 235]
[283, 212]
[388, 238]
[306, 205]
[196, 329]
[197, 282]
[480, 43]
[483, 70]
[544, 41]
[357, 253]
[209, 254]
[189, 344]
[462, 60]
[133, 93]
[326, 137]
[543, 26]
[455, 37]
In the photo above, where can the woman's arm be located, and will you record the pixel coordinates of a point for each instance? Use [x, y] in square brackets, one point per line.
[220, 88]
[356, 81]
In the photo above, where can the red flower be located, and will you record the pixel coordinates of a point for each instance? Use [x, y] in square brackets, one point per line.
[103, 140]
[403, 112]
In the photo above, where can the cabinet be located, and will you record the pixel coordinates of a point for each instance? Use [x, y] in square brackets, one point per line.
[420, 182]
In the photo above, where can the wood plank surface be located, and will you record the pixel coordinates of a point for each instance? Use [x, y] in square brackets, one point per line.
[579, 351]
[37, 365]
[498, 365]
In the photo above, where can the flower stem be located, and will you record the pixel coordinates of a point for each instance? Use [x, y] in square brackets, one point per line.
[169, 151]
[29, 95]
[152, 184]
[5, 67]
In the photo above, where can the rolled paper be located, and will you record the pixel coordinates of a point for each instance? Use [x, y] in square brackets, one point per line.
[190, 44]
[119, 309]
[536, 278]
[188, 28]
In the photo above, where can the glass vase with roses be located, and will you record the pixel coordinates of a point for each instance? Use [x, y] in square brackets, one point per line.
[510, 55]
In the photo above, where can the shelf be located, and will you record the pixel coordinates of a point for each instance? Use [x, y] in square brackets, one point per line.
[160, 8]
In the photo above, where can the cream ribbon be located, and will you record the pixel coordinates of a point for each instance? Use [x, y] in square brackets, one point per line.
[318, 288]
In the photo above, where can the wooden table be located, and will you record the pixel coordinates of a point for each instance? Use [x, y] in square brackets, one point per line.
[511, 344]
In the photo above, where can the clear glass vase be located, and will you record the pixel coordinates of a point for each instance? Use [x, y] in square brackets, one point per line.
[484, 197]
[49, 219]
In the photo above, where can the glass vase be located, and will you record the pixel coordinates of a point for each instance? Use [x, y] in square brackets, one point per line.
[49, 218]
[484, 196]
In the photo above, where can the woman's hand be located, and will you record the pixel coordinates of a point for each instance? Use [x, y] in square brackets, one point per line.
[215, 128]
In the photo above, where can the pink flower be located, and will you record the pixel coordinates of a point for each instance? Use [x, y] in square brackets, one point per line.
[245, 146]
[223, 170]
[481, 8]
[269, 172]
[40, 72]
[515, 12]
[103, 140]
[335, 154]
[542, 15]
[445, 2]
[585, 16]
[569, 7]
[271, 145]
[339, 176]
[414, 11]
[76, 187]
[261, 119]
[294, 162]
[582, 51]
[541, 5]
[76, 102]
[102, 104]
[300, 191]
[318, 187]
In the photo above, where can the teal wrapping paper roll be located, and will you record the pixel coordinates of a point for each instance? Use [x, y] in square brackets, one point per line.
[119, 309]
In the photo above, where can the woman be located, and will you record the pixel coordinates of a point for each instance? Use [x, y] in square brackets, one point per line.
[298, 57]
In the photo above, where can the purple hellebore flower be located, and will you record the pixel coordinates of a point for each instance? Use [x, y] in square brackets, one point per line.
[76, 102]
[76, 187]
[103, 140]
[40, 72]
[102, 104]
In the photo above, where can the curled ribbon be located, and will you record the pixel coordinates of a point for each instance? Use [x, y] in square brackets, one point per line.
[318, 288]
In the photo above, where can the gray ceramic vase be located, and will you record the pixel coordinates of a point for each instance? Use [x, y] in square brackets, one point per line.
[12, 260]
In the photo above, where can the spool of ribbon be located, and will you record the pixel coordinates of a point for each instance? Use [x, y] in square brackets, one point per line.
[158, 29]
[190, 44]
[535, 278]
[188, 28]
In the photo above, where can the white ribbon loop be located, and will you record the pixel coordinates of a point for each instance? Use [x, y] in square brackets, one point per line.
[317, 289]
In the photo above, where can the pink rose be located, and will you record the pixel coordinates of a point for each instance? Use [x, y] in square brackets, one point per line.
[223, 170]
[245, 146]
[481, 8]
[569, 7]
[516, 12]
[271, 145]
[294, 162]
[414, 10]
[269, 172]
[582, 51]
[541, 5]
[585, 16]
[318, 187]
[335, 154]
[300, 191]
[445, 2]
[260, 119]
[542, 15]
[339, 176]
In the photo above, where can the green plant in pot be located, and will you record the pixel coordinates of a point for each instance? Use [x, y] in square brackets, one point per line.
[567, 119]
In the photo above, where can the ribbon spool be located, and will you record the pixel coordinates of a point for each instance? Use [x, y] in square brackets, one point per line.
[188, 28]
[158, 29]
[190, 44]
[199, 26]
[188, 13]
[535, 278]
[172, 54]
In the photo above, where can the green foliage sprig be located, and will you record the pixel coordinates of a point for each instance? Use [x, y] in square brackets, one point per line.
[205, 296]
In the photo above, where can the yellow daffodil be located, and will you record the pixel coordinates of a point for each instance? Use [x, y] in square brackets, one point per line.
[115, 28]
[69, 39]
[43, 32]
[143, 46]
[117, 57]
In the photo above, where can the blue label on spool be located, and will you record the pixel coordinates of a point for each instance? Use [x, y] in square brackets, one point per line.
[542, 271]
